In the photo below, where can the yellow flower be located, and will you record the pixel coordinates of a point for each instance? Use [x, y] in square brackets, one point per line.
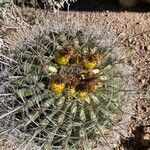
[89, 64]
[61, 60]
[57, 87]
[90, 60]
[82, 95]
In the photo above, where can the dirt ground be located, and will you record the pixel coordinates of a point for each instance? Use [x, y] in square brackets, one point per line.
[131, 27]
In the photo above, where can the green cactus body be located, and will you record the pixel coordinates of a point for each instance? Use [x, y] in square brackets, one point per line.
[61, 119]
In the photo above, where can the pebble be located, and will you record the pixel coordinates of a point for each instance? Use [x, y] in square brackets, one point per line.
[148, 48]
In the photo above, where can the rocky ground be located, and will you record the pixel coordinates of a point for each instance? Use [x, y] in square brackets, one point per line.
[132, 28]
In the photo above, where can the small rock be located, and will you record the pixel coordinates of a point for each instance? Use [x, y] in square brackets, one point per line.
[130, 40]
[148, 48]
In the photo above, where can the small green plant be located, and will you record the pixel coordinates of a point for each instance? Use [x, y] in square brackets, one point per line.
[64, 89]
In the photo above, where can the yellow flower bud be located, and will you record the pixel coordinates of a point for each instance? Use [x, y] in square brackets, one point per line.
[89, 64]
[57, 87]
[82, 95]
[90, 60]
[61, 60]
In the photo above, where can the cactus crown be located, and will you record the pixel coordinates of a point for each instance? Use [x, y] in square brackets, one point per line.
[42, 105]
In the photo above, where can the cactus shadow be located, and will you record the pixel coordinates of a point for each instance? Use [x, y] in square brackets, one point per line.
[104, 5]
[136, 142]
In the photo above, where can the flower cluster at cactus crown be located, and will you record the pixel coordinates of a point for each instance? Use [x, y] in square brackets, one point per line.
[64, 88]
[75, 76]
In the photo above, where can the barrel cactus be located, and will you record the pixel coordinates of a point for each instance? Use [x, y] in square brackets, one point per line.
[62, 90]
